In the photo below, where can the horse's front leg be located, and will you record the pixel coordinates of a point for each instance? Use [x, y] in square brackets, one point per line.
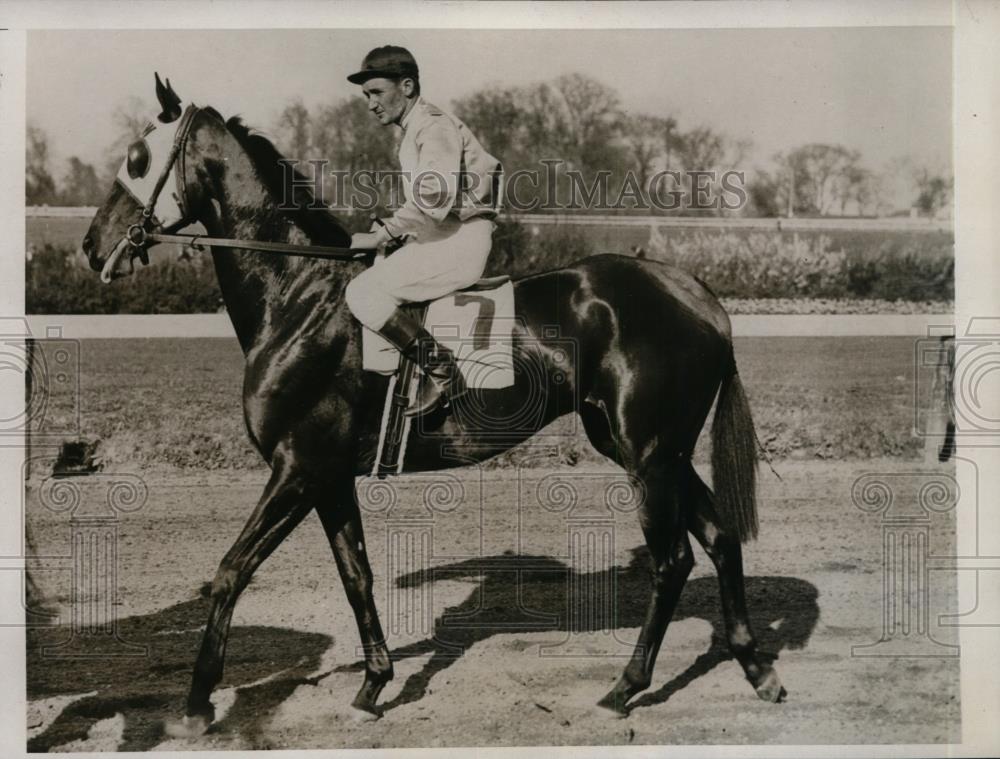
[282, 506]
[341, 519]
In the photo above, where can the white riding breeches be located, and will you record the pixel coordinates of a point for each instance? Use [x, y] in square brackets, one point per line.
[422, 270]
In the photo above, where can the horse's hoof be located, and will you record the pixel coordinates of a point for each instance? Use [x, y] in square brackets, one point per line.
[191, 726]
[770, 689]
[613, 705]
[363, 714]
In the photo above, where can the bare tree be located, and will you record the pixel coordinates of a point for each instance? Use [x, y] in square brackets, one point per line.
[293, 131]
[816, 173]
[592, 117]
[129, 120]
[645, 137]
[702, 149]
[496, 117]
[350, 139]
[907, 183]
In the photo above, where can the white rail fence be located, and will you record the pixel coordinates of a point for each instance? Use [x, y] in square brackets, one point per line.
[897, 224]
[78, 327]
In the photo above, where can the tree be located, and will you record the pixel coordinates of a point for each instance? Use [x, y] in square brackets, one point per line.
[591, 116]
[576, 122]
[496, 117]
[575, 119]
[545, 128]
[129, 120]
[647, 138]
[767, 195]
[81, 185]
[39, 186]
[350, 139]
[908, 183]
[859, 186]
[293, 131]
[702, 149]
[815, 176]
[934, 192]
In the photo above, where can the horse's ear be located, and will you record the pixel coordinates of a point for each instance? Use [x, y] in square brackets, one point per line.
[169, 101]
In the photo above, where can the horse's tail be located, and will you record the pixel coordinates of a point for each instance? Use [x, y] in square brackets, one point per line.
[734, 457]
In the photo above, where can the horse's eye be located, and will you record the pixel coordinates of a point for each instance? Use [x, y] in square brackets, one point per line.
[138, 159]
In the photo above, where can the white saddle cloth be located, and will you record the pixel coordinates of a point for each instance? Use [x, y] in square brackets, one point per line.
[476, 326]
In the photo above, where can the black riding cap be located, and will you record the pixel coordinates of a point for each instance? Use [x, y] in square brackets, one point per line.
[389, 61]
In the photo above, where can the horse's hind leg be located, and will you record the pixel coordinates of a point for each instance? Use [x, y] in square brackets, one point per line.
[664, 529]
[342, 522]
[281, 507]
[726, 554]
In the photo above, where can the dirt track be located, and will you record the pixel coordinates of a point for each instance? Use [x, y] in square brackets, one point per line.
[502, 583]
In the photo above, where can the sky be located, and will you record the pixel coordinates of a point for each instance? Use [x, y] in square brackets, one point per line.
[884, 91]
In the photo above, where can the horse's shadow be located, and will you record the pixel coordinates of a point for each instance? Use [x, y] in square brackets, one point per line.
[144, 672]
[527, 594]
[514, 594]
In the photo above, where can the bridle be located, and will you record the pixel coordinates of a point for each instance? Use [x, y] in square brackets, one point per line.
[138, 237]
[137, 233]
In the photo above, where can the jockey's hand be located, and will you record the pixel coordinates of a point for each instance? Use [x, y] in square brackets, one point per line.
[369, 240]
[364, 241]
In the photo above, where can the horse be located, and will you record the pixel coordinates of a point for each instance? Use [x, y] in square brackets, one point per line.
[652, 351]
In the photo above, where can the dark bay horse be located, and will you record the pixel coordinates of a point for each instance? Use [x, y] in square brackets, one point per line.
[651, 350]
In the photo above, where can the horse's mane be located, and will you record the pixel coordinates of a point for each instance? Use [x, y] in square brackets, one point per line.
[319, 223]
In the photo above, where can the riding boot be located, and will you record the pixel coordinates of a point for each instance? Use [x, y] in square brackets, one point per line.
[443, 379]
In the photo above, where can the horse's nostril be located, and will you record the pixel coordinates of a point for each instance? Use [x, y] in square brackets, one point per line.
[88, 245]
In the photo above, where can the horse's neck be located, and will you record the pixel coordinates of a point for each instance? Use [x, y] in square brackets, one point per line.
[250, 281]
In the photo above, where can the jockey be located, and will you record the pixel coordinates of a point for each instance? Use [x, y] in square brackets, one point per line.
[451, 186]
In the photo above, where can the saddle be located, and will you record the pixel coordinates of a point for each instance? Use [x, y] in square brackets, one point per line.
[476, 323]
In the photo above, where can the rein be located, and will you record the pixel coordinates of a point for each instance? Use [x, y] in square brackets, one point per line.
[138, 237]
[311, 251]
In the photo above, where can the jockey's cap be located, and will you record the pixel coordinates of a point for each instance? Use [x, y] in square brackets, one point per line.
[390, 61]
